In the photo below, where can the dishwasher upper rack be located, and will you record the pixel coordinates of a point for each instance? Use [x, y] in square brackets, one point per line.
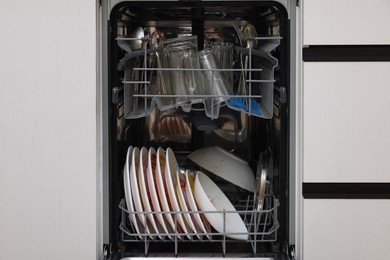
[262, 226]
[141, 97]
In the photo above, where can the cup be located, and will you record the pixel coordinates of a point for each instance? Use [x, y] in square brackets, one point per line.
[215, 83]
[185, 79]
[223, 52]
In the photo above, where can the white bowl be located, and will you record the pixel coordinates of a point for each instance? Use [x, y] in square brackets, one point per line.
[225, 165]
[210, 198]
[199, 220]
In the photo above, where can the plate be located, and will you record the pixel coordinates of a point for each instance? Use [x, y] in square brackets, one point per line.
[202, 223]
[135, 192]
[145, 196]
[152, 180]
[209, 197]
[225, 165]
[139, 228]
[171, 167]
[162, 188]
[180, 185]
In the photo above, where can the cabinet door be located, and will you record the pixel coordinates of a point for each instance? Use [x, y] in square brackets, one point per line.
[346, 22]
[346, 122]
[346, 229]
[48, 144]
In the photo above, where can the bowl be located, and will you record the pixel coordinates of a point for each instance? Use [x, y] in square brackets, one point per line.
[209, 197]
[201, 223]
[225, 165]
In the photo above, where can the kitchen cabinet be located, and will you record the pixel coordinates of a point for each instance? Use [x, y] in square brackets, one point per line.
[346, 140]
[346, 229]
[48, 130]
[346, 124]
[346, 22]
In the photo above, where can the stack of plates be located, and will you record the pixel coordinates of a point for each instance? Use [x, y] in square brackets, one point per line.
[166, 202]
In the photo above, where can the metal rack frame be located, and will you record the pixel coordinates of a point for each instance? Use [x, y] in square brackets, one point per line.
[263, 62]
[262, 226]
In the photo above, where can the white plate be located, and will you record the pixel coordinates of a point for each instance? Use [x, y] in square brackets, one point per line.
[180, 184]
[145, 196]
[202, 223]
[171, 167]
[135, 192]
[210, 198]
[162, 189]
[225, 165]
[139, 228]
[152, 180]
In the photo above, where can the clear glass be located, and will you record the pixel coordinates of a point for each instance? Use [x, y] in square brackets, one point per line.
[182, 53]
[215, 82]
[223, 52]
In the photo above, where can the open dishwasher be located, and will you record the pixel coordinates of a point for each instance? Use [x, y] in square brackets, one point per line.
[185, 77]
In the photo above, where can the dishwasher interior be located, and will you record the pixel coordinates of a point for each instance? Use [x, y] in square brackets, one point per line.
[250, 42]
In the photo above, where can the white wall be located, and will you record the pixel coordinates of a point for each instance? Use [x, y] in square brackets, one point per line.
[48, 129]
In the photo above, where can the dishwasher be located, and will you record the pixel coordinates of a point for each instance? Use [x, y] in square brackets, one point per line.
[191, 76]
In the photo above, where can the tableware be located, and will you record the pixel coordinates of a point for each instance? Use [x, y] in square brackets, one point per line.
[136, 194]
[249, 32]
[163, 190]
[182, 53]
[139, 227]
[171, 129]
[176, 128]
[215, 83]
[171, 167]
[183, 201]
[124, 43]
[239, 102]
[225, 165]
[209, 197]
[261, 178]
[189, 190]
[223, 52]
[179, 122]
[152, 181]
[137, 33]
[145, 195]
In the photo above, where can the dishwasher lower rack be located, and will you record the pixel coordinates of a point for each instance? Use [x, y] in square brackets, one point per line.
[262, 226]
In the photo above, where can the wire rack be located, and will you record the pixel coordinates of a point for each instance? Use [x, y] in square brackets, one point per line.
[140, 79]
[261, 226]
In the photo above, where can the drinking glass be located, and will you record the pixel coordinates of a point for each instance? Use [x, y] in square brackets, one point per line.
[184, 79]
[215, 83]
